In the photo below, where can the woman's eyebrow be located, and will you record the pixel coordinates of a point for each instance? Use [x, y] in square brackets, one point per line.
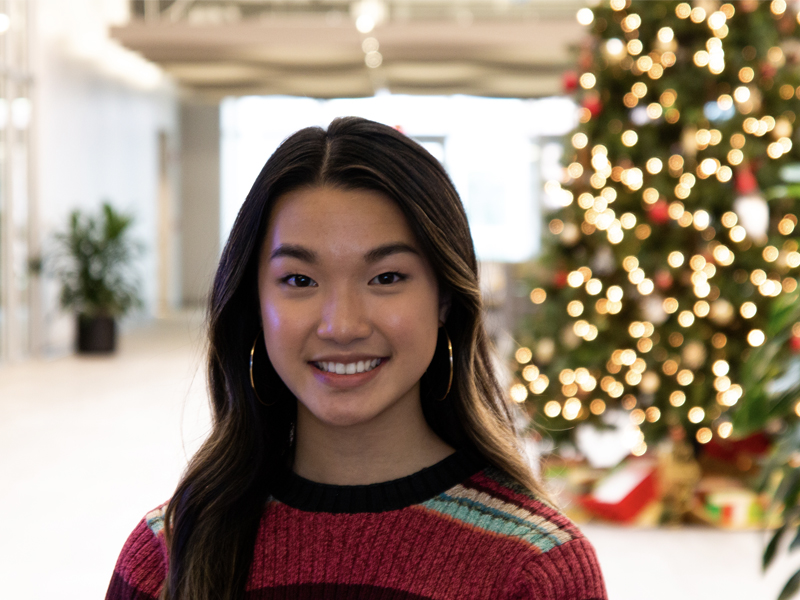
[309, 256]
[382, 252]
[294, 251]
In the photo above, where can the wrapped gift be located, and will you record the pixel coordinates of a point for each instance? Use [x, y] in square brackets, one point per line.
[727, 503]
[735, 457]
[736, 509]
[755, 445]
[623, 492]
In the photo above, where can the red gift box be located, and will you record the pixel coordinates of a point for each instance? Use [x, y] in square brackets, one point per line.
[754, 445]
[624, 492]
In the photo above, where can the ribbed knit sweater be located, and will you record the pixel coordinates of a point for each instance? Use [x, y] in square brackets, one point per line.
[458, 530]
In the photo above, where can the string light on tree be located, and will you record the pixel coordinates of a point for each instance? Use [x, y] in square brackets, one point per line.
[675, 232]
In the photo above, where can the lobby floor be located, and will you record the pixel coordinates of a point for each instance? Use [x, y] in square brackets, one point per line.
[89, 445]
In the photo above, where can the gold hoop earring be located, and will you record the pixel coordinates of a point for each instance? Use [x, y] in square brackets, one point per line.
[450, 351]
[252, 381]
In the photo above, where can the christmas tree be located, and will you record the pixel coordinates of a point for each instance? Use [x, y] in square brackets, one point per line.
[668, 287]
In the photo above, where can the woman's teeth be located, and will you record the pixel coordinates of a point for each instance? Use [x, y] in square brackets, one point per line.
[348, 368]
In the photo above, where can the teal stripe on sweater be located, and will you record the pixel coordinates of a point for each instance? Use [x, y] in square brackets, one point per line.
[155, 521]
[491, 519]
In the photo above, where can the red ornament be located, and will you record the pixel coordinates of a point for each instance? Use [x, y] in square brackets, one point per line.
[585, 59]
[593, 104]
[767, 70]
[569, 81]
[663, 279]
[745, 180]
[786, 24]
[659, 212]
[794, 344]
[677, 433]
[748, 5]
[560, 279]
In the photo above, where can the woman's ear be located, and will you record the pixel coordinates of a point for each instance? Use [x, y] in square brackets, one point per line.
[445, 299]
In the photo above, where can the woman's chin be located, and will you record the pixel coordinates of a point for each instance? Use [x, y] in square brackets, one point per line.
[359, 411]
[342, 418]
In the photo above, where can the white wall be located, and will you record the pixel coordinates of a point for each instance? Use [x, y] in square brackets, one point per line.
[200, 200]
[99, 109]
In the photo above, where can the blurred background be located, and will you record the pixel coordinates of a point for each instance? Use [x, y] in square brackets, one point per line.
[132, 130]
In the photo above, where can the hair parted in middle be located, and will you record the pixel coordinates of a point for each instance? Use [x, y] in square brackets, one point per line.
[214, 514]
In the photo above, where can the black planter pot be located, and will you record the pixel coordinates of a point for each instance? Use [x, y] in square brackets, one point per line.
[96, 334]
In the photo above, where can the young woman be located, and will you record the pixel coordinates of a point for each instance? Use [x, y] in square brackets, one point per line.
[361, 446]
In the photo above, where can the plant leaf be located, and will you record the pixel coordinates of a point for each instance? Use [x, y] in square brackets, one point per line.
[95, 263]
[796, 541]
[791, 587]
[772, 547]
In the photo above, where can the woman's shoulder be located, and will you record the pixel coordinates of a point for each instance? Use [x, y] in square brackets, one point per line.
[493, 499]
[142, 565]
[552, 553]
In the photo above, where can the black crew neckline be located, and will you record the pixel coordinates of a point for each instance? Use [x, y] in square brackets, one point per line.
[303, 494]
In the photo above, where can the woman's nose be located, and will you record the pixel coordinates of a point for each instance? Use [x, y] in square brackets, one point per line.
[343, 318]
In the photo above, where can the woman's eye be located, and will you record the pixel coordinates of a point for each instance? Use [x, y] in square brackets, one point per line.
[297, 280]
[388, 278]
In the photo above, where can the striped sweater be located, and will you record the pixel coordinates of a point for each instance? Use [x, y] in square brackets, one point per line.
[457, 530]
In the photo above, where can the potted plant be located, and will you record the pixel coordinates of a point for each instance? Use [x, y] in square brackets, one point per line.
[96, 276]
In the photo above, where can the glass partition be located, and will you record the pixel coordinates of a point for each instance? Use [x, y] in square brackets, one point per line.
[16, 218]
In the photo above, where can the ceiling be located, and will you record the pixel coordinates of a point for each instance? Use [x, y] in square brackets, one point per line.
[312, 47]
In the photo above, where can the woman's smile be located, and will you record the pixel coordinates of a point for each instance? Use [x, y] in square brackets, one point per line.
[344, 375]
[347, 368]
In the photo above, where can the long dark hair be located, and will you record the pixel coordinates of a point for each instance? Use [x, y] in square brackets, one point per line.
[214, 514]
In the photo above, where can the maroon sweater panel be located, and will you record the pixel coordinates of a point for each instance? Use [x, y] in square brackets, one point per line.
[484, 538]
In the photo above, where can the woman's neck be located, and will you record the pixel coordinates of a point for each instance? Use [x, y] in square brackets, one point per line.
[372, 452]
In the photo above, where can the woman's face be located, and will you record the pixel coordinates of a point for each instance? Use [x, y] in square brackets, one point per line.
[349, 304]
